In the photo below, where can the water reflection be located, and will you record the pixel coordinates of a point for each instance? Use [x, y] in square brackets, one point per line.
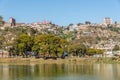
[60, 72]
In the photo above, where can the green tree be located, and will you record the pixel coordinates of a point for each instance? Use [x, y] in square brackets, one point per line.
[91, 51]
[116, 47]
[87, 22]
[24, 43]
[1, 21]
[77, 49]
[2, 40]
[70, 24]
[48, 45]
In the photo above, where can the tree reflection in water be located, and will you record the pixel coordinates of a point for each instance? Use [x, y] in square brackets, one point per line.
[60, 72]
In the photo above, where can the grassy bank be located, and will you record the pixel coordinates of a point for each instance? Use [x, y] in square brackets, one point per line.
[58, 61]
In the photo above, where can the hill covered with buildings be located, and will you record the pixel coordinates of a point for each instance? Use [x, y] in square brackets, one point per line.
[103, 36]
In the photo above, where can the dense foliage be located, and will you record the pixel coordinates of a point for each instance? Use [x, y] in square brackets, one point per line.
[91, 51]
[45, 45]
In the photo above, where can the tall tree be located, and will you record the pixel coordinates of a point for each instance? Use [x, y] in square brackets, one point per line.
[48, 45]
[24, 43]
[1, 21]
[77, 49]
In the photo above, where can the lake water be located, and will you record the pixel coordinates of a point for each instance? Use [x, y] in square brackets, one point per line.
[60, 72]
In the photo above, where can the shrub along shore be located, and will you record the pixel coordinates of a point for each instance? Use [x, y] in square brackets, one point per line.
[59, 60]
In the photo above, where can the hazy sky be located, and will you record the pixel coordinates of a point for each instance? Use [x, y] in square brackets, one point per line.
[61, 12]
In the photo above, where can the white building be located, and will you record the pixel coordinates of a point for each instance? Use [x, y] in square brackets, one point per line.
[107, 21]
[108, 54]
[73, 27]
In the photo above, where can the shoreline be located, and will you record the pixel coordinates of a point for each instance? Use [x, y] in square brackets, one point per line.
[59, 60]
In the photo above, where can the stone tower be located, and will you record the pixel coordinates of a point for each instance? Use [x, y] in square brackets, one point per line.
[12, 21]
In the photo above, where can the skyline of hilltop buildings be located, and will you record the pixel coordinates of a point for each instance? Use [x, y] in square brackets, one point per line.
[60, 12]
[106, 21]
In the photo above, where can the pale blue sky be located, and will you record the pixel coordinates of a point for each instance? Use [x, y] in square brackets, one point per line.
[61, 12]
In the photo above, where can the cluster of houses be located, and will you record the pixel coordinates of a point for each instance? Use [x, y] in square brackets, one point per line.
[82, 29]
[4, 54]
